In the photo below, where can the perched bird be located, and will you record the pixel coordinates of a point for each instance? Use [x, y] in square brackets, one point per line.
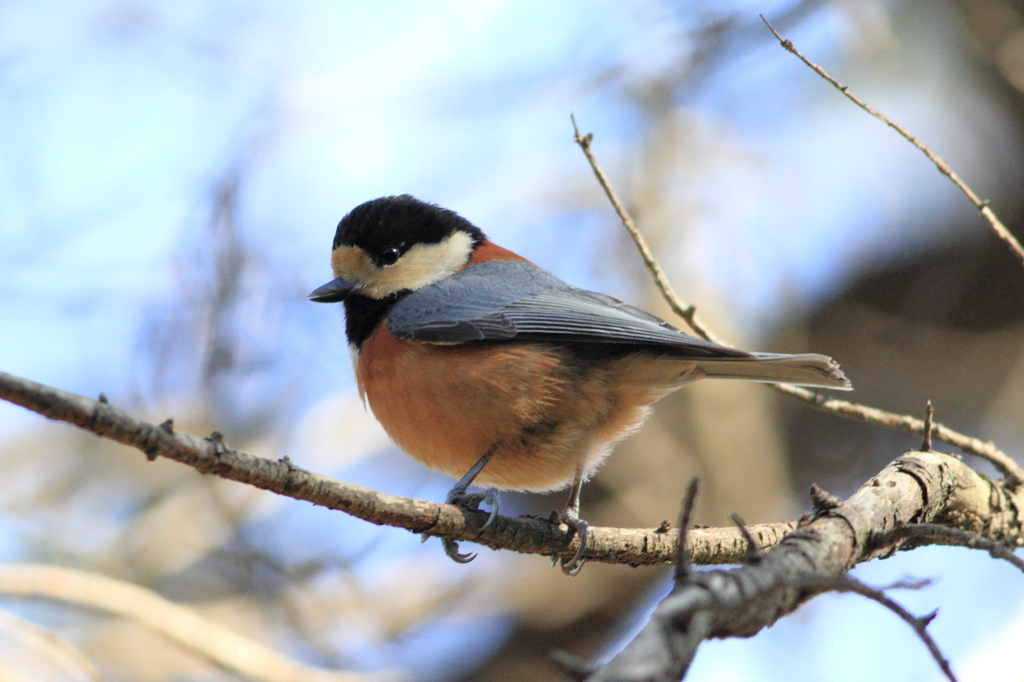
[485, 366]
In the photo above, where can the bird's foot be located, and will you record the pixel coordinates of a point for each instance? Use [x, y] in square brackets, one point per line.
[470, 502]
[451, 548]
[571, 518]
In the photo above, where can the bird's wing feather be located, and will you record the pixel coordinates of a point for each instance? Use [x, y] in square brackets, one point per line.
[504, 300]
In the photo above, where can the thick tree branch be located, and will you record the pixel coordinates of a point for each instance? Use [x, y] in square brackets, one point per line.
[636, 547]
[524, 534]
[919, 487]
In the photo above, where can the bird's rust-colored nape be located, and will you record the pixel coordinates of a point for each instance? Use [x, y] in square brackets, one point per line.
[487, 251]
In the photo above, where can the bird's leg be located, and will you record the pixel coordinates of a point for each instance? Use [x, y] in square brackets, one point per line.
[471, 502]
[459, 496]
[570, 516]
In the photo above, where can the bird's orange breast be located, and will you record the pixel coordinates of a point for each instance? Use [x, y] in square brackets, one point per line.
[447, 405]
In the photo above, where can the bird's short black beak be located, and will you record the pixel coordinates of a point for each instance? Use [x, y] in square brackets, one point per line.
[335, 291]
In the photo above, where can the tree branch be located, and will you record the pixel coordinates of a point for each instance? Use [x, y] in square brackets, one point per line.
[972, 446]
[845, 583]
[74, 664]
[982, 205]
[634, 546]
[936, 534]
[919, 487]
[686, 311]
[986, 450]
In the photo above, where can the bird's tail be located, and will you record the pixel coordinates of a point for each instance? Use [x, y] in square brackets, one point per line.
[807, 369]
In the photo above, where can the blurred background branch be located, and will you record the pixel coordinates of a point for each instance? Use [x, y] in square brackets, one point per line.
[181, 625]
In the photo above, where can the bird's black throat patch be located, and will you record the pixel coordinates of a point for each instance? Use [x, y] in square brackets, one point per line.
[362, 314]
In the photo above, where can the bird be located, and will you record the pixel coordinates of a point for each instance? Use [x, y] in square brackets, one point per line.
[485, 366]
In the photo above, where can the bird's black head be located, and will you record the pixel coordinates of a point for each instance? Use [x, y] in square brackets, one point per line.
[399, 222]
[395, 244]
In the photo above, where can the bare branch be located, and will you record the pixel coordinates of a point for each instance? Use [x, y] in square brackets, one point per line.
[920, 625]
[640, 546]
[753, 555]
[809, 561]
[74, 664]
[982, 205]
[936, 534]
[687, 312]
[986, 450]
[929, 415]
[682, 558]
[988, 503]
[972, 446]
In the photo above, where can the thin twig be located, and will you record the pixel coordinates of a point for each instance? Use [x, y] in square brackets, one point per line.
[929, 414]
[982, 205]
[986, 450]
[753, 555]
[682, 560]
[845, 583]
[683, 310]
[972, 446]
[930, 532]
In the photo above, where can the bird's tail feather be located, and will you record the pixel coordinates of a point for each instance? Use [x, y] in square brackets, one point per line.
[807, 369]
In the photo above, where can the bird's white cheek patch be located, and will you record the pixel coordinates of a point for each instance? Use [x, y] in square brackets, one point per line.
[421, 265]
[425, 264]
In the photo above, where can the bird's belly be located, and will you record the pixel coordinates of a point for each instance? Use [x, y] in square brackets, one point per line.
[447, 405]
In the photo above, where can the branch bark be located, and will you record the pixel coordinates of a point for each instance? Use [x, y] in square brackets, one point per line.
[919, 487]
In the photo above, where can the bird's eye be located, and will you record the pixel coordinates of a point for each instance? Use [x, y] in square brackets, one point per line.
[389, 256]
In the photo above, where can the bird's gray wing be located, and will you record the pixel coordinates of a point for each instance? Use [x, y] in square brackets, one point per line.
[505, 300]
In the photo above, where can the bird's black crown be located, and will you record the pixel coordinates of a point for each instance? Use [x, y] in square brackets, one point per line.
[400, 222]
